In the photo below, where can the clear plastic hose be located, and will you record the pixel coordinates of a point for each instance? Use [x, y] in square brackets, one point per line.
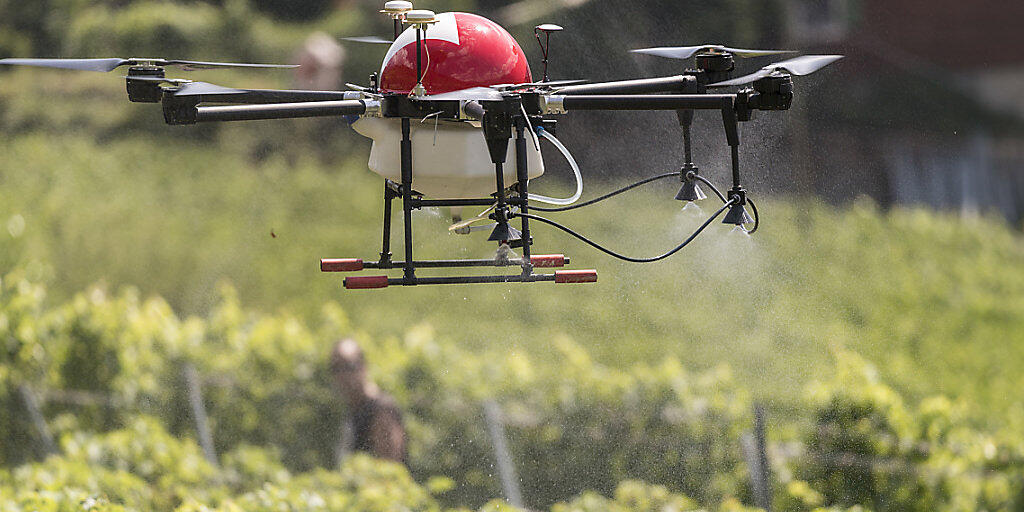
[575, 169]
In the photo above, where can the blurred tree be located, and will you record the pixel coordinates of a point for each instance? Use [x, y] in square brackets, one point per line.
[307, 10]
[33, 28]
[147, 28]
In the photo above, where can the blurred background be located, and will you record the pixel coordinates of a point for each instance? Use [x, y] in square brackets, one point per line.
[876, 319]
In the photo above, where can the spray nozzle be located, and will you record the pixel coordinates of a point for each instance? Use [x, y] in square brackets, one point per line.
[737, 214]
[690, 191]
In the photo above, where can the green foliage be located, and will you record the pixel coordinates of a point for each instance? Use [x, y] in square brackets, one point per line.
[156, 28]
[298, 11]
[142, 467]
[65, 500]
[565, 409]
[629, 496]
[868, 447]
[575, 427]
[660, 424]
[634, 496]
[152, 28]
[34, 28]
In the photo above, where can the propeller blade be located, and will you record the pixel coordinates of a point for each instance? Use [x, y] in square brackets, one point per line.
[806, 64]
[368, 39]
[107, 65]
[551, 83]
[464, 224]
[803, 65]
[746, 79]
[670, 52]
[101, 65]
[473, 93]
[204, 88]
[189, 65]
[685, 52]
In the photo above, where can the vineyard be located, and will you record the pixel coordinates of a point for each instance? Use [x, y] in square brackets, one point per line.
[584, 434]
[164, 328]
[635, 401]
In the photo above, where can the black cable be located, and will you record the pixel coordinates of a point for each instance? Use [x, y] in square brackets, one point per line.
[757, 220]
[753, 207]
[627, 258]
[606, 196]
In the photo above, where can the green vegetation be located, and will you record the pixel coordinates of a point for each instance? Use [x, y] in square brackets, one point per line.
[575, 426]
[936, 300]
[647, 375]
[129, 249]
[142, 468]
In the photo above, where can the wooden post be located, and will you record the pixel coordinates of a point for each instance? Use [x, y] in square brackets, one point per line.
[345, 442]
[35, 414]
[506, 468]
[756, 455]
[195, 399]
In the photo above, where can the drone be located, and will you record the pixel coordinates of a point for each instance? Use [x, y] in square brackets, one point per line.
[456, 120]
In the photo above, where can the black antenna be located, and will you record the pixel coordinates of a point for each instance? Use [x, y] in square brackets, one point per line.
[420, 19]
[547, 28]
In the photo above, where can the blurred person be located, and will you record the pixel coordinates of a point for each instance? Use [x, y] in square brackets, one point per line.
[320, 61]
[374, 424]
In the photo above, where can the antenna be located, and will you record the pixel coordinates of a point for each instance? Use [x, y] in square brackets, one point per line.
[396, 9]
[547, 29]
[421, 19]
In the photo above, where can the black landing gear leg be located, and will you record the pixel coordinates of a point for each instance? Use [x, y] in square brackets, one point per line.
[523, 176]
[410, 269]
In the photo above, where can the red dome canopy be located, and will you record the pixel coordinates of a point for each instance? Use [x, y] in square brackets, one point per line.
[461, 51]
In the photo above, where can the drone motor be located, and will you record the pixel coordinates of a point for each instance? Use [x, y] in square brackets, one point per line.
[144, 91]
[716, 66]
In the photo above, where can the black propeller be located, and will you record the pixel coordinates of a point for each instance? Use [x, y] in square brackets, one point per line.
[685, 52]
[803, 65]
[107, 65]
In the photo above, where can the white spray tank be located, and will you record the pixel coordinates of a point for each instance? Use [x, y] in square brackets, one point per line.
[450, 159]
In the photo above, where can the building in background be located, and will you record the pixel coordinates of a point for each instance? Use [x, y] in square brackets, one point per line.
[926, 108]
[934, 111]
